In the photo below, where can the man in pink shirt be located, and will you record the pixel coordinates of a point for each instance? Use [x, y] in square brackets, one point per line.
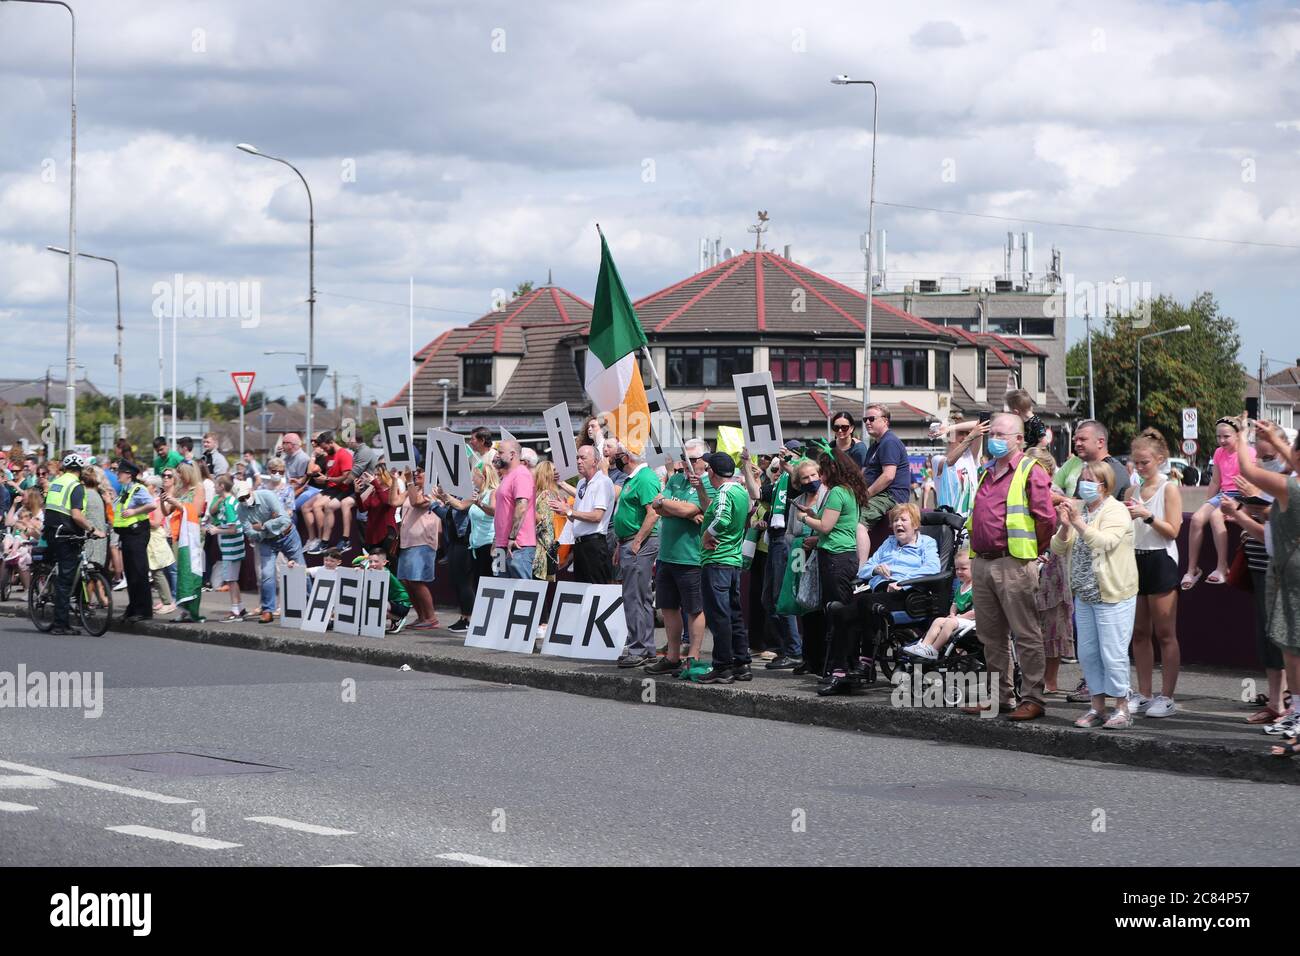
[1004, 584]
[516, 513]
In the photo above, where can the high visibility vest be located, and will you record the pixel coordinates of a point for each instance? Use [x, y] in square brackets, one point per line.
[59, 498]
[123, 502]
[1022, 536]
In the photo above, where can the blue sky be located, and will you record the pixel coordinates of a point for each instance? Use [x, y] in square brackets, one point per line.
[475, 145]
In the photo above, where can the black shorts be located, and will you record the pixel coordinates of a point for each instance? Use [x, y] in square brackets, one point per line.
[677, 588]
[1157, 572]
[338, 494]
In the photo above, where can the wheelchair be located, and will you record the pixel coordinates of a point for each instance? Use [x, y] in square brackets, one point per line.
[923, 600]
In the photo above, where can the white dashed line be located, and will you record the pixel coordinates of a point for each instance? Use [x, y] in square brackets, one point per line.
[27, 783]
[335, 866]
[473, 860]
[92, 784]
[299, 825]
[152, 833]
[14, 807]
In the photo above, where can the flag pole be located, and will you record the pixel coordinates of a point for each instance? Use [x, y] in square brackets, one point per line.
[654, 374]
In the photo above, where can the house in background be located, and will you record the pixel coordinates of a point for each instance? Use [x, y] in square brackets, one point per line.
[1281, 395]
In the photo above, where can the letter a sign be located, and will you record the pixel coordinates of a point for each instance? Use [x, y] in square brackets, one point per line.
[759, 418]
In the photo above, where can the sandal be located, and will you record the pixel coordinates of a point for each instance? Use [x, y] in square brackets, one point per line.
[1091, 719]
[1288, 748]
[1118, 721]
[1216, 578]
[1265, 716]
[1190, 580]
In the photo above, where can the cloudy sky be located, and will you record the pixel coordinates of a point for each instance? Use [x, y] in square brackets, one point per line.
[474, 145]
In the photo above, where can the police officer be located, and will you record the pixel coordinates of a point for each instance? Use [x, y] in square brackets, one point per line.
[65, 501]
[131, 522]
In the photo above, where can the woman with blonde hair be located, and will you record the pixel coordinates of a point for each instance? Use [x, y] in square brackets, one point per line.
[184, 507]
[549, 522]
[480, 506]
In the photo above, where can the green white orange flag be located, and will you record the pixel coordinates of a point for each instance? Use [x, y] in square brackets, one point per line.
[613, 375]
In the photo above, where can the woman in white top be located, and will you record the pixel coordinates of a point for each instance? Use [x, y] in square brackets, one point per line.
[1156, 506]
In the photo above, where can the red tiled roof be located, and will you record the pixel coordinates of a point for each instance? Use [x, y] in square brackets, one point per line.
[545, 306]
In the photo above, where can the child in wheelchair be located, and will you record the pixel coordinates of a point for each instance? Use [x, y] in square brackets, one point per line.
[960, 619]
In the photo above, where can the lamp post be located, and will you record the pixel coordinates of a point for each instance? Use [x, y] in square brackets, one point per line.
[120, 358]
[445, 385]
[311, 277]
[1141, 339]
[70, 414]
[844, 80]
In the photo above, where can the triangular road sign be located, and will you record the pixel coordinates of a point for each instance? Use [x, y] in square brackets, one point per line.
[243, 385]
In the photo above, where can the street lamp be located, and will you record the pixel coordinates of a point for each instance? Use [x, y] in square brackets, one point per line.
[445, 385]
[117, 285]
[1152, 335]
[70, 415]
[311, 276]
[844, 80]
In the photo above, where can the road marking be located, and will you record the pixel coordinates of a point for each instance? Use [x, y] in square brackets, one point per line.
[92, 784]
[26, 783]
[203, 843]
[14, 807]
[299, 825]
[333, 866]
[473, 860]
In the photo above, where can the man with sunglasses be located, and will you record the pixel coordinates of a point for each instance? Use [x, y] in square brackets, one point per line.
[888, 472]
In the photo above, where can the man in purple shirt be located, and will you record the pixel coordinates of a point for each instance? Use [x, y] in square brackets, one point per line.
[1004, 584]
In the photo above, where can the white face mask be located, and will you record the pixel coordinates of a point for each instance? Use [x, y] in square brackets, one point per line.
[1275, 465]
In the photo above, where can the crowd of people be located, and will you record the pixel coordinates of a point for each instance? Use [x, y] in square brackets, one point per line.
[1076, 560]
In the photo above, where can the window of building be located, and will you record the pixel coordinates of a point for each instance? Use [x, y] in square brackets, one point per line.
[942, 379]
[971, 324]
[900, 368]
[476, 375]
[805, 366]
[1042, 375]
[982, 369]
[1041, 327]
[580, 363]
[707, 367]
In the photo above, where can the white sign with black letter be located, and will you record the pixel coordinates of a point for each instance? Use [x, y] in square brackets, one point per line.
[760, 420]
[293, 595]
[523, 612]
[374, 603]
[565, 628]
[601, 629]
[564, 451]
[487, 622]
[347, 602]
[447, 464]
[320, 601]
[395, 430]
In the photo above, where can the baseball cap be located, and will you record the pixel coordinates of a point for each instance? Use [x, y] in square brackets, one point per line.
[722, 464]
[242, 489]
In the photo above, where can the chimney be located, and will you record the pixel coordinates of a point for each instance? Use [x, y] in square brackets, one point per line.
[787, 251]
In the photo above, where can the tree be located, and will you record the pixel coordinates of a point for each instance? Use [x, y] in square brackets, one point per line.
[1196, 369]
[522, 289]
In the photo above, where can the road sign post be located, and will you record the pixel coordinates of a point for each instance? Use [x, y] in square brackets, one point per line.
[243, 388]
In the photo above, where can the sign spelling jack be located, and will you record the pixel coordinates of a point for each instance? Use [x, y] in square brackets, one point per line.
[586, 621]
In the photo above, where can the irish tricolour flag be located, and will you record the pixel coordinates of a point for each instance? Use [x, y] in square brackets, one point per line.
[612, 372]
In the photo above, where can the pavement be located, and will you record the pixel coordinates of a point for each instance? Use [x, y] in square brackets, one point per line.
[217, 756]
[1208, 736]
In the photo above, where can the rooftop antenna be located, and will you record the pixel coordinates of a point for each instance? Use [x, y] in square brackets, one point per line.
[758, 229]
[549, 281]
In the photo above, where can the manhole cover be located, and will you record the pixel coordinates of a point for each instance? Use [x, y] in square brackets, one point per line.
[181, 764]
[943, 794]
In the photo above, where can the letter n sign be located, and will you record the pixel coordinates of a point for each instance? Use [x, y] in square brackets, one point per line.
[760, 419]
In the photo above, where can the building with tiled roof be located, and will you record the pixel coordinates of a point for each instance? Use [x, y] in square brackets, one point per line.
[755, 311]
[1281, 402]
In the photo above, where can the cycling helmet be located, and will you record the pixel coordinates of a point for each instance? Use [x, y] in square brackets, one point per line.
[73, 461]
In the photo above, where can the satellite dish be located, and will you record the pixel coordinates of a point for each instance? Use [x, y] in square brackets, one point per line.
[728, 252]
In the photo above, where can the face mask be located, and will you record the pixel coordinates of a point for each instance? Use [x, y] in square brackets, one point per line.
[1275, 465]
[998, 447]
[811, 487]
[1089, 490]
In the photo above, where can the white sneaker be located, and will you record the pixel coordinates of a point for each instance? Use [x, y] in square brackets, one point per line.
[1161, 706]
[1286, 727]
[1138, 704]
[922, 649]
[311, 545]
[120, 585]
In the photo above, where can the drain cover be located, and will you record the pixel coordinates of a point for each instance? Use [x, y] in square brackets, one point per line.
[181, 764]
[943, 793]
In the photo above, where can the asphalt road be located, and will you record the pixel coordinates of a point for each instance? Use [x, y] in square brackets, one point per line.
[431, 770]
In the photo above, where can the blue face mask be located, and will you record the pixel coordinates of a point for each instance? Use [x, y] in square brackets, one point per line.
[998, 447]
[810, 488]
[1089, 490]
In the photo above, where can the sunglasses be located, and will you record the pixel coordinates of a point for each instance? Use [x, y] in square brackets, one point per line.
[694, 457]
[870, 418]
[849, 428]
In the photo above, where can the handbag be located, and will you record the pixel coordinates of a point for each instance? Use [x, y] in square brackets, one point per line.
[808, 594]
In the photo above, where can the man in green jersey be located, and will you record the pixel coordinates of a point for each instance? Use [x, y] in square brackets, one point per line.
[638, 547]
[720, 558]
[677, 580]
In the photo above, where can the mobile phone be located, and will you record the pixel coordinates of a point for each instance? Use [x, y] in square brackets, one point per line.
[1252, 407]
[985, 417]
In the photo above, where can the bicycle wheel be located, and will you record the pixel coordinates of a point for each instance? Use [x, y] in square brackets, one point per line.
[94, 602]
[40, 597]
[5, 575]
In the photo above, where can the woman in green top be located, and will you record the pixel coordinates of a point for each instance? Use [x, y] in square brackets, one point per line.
[834, 527]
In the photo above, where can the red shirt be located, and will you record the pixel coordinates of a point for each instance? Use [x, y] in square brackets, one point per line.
[989, 515]
[340, 465]
[381, 517]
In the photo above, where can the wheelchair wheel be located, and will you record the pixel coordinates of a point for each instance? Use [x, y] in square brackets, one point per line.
[40, 597]
[5, 576]
[95, 602]
[889, 651]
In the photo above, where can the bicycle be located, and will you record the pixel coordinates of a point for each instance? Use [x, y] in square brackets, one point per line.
[92, 593]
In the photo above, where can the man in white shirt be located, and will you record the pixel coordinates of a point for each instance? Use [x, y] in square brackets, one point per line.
[589, 516]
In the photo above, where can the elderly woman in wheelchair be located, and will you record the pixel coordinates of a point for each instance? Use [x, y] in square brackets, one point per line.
[905, 559]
